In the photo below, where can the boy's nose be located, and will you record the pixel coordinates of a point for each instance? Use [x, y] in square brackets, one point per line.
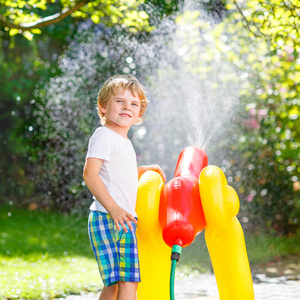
[126, 106]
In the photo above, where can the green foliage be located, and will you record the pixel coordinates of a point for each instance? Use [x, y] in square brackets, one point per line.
[261, 164]
[271, 20]
[27, 17]
[24, 64]
[254, 46]
[267, 50]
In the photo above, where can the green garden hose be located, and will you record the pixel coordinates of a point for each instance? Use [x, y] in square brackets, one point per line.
[176, 251]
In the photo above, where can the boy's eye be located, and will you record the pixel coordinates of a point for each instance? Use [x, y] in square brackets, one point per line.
[137, 104]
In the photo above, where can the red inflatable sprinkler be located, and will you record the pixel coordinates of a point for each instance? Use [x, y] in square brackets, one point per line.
[181, 212]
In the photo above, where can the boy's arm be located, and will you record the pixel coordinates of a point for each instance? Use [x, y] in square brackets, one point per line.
[143, 169]
[93, 181]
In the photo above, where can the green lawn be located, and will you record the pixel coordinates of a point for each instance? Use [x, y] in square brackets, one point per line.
[46, 255]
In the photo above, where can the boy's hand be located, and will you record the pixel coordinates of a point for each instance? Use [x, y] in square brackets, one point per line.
[121, 217]
[143, 169]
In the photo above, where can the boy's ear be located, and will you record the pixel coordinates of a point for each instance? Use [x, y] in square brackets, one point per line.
[103, 109]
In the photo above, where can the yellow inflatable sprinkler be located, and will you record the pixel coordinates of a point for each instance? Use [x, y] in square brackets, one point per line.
[224, 236]
[154, 254]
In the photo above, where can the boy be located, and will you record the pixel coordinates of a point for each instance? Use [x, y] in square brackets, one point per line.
[111, 174]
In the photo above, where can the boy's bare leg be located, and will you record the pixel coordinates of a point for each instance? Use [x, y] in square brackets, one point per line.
[109, 292]
[127, 290]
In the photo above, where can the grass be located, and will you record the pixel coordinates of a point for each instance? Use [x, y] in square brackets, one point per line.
[44, 255]
[47, 255]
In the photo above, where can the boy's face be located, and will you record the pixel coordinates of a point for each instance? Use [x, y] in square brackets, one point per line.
[122, 110]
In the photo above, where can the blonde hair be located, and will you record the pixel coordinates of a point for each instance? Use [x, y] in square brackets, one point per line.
[109, 89]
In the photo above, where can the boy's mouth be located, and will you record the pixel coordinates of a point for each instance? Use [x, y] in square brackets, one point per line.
[125, 115]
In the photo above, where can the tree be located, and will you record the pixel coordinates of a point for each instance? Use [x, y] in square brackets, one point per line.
[28, 17]
[265, 44]
[24, 65]
[271, 20]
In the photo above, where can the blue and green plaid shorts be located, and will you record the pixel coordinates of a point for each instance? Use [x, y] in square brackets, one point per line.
[115, 251]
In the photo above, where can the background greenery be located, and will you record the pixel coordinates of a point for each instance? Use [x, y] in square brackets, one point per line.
[42, 156]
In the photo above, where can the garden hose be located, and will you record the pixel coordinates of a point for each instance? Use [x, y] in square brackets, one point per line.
[175, 256]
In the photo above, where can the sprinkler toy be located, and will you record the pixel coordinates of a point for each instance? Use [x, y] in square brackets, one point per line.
[171, 215]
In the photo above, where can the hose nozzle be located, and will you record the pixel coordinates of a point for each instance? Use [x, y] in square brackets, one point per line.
[176, 252]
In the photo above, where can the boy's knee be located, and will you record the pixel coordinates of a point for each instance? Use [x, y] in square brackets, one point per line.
[128, 285]
[112, 288]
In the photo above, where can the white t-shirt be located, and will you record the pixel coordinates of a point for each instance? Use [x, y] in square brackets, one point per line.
[119, 169]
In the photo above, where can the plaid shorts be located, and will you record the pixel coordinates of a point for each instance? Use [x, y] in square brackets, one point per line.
[115, 251]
